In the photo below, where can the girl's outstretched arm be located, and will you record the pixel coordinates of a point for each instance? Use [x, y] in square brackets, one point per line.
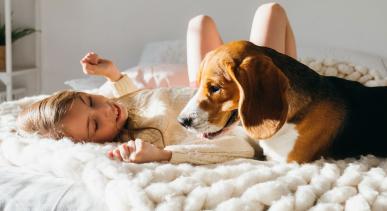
[202, 151]
[92, 64]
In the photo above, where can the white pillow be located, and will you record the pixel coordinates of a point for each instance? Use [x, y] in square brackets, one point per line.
[149, 76]
[164, 52]
[152, 76]
[161, 75]
[79, 84]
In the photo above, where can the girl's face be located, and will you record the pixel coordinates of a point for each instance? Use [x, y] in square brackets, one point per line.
[94, 118]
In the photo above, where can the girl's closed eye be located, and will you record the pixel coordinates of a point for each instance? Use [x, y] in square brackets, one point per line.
[91, 105]
[95, 125]
[91, 101]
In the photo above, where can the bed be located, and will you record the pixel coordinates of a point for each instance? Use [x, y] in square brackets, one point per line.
[41, 174]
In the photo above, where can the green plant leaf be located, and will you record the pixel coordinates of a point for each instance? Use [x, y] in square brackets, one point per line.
[16, 33]
[21, 32]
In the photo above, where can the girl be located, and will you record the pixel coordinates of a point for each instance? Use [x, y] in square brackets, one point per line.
[147, 118]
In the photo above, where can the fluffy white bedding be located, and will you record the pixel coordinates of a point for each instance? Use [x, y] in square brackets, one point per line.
[42, 174]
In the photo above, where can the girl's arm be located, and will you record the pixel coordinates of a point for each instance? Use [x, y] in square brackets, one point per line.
[92, 64]
[195, 152]
[211, 151]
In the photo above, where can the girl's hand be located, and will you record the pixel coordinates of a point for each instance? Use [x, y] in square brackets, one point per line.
[139, 151]
[92, 64]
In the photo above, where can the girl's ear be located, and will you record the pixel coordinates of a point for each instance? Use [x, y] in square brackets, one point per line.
[263, 104]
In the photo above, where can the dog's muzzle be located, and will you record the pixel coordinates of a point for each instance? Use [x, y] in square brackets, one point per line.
[185, 121]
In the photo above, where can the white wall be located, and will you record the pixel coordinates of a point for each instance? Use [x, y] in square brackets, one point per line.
[118, 29]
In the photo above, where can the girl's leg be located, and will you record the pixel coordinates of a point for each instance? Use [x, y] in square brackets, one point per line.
[271, 28]
[202, 37]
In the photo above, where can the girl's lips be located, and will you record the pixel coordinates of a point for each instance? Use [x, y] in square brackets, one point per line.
[118, 111]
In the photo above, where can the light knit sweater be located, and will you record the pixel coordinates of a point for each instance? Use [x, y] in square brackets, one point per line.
[159, 108]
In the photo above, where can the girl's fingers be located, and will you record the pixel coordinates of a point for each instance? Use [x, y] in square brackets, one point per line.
[117, 154]
[92, 58]
[131, 146]
[138, 144]
[88, 68]
[133, 151]
[124, 151]
[110, 154]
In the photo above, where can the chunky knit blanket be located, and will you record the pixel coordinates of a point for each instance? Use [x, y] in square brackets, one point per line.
[42, 174]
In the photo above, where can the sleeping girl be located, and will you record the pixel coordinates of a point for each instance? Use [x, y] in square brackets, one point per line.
[145, 121]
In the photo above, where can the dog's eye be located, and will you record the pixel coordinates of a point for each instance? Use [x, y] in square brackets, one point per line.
[213, 89]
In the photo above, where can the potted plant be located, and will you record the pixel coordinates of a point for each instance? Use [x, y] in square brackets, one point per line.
[15, 34]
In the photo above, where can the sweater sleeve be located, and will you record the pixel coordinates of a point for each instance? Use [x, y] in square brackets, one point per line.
[211, 151]
[123, 86]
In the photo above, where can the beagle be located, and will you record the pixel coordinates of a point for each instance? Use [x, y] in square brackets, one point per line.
[298, 114]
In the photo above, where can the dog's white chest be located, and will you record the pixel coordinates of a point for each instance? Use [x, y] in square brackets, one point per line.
[281, 144]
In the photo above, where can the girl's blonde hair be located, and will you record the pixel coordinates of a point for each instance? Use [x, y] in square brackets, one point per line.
[43, 117]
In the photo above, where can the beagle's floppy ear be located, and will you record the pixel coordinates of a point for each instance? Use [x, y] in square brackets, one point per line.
[263, 104]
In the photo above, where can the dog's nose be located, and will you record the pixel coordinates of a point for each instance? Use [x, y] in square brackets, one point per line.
[185, 121]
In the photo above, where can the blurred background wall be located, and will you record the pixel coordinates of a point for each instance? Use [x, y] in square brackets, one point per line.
[119, 29]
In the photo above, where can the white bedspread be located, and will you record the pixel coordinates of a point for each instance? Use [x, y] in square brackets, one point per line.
[42, 174]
